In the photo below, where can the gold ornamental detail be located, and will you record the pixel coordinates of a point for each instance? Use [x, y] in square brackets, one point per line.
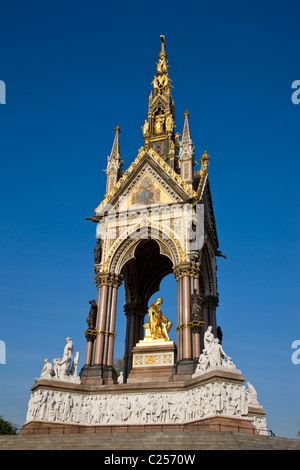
[203, 173]
[191, 324]
[159, 359]
[107, 278]
[99, 332]
[190, 269]
[160, 227]
[153, 359]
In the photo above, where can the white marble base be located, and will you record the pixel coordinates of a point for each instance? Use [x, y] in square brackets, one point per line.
[220, 397]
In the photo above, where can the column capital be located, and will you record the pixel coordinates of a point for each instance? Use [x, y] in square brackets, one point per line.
[132, 308]
[90, 336]
[107, 279]
[187, 268]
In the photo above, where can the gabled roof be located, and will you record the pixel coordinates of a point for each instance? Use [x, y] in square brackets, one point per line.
[170, 177]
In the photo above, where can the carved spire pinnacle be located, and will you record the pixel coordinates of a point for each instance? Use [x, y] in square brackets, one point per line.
[186, 136]
[187, 152]
[114, 163]
[115, 151]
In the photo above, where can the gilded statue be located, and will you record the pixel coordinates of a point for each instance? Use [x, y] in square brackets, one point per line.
[177, 136]
[145, 128]
[159, 325]
[159, 124]
[162, 66]
[155, 84]
[163, 80]
[170, 123]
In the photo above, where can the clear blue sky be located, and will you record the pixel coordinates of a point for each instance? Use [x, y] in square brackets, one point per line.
[73, 71]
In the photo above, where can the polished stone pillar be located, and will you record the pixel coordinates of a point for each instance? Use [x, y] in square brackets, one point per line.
[100, 327]
[196, 329]
[100, 342]
[186, 317]
[89, 348]
[185, 274]
[112, 325]
[179, 319]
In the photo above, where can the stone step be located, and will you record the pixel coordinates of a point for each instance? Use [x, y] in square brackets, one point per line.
[203, 440]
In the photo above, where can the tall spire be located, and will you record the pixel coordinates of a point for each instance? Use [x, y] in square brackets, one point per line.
[186, 136]
[162, 83]
[159, 129]
[114, 163]
[187, 153]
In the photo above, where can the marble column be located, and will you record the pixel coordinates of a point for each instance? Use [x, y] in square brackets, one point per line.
[102, 311]
[111, 338]
[185, 273]
[89, 349]
[100, 342]
[186, 317]
[179, 319]
[196, 329]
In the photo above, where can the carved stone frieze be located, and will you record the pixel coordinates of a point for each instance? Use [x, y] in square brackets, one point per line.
[219, 398]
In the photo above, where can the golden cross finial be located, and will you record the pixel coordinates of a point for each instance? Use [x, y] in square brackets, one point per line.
[163, 43]
[186, 114]
[163, 53]
[117, 129]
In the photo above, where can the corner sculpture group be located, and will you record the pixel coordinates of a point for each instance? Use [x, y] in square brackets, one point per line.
[62, 368]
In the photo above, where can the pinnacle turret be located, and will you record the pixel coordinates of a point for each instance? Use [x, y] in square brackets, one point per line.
[186, 153]
[114, 163]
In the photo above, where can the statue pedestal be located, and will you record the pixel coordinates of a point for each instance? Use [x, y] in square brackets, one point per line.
[153, 360]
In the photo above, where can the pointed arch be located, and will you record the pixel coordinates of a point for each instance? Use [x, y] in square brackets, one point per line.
[126, 250]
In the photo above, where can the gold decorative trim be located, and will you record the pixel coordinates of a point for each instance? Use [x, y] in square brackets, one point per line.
[100, 332]
[203, 173]
[190, 269]
[117, 243]
[158, 359]
[107, 278]
[189, 325]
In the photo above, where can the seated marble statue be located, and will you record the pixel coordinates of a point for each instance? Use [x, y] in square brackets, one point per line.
[159, 325]
[47, 371]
